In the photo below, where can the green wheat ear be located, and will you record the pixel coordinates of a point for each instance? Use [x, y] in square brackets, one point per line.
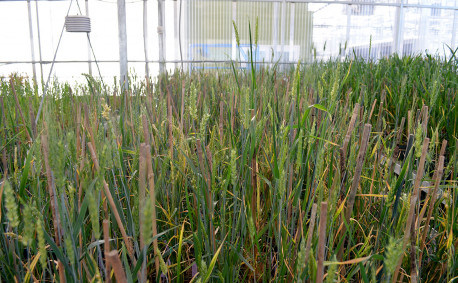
[11, 205]
[236, 31]
[393, 252]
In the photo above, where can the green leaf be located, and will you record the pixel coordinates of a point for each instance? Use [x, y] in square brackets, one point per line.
[320, 107]
[126, 264]
[60, 256]
[212, 263]
[25, 172]
[81, 216]
[180, 246]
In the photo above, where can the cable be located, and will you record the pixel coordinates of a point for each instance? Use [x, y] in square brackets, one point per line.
[52, 66]
[179, 36]
[95, 59]
[79, 8]
[92, 49]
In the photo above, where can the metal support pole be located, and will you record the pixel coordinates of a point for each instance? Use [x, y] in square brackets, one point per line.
[455, 25]
[39, 42]
[145, 35]
[283, 28]
[347, 38]
[183, 33]
[291, 33]
[234, 19]
[88, 43]
[160, 31]
[122, 43]
[32, 49]
[423, 30]
[175, 30]
[310, 33]
[275, 30]
[399, 28]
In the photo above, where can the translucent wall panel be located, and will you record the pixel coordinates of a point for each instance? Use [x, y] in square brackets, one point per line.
[202, 36]
[284, 31]
[14, 38]
[373, 31]
[430, 29]
[341, 30]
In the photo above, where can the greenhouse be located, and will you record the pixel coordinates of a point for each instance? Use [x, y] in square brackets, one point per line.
[229, 141]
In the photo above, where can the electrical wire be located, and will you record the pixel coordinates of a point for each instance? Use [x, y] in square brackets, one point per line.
[95, 60]
[52, 66]
[92, 49]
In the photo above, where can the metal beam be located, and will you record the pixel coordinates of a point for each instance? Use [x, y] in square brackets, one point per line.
[283, 28]
[88, 42]
[349, 2]
[160, 31]
[142, 61]
[274, 29]
[345, 2]
[399, 29]
[175, 30]
[145, 35]
[122, 43]
[291, 33]
[234, 20]
[454, 31]
[32, 49]
[348, 30]
[423, 30]
[39, 41]
[183, 33]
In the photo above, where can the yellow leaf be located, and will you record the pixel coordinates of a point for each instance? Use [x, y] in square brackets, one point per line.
[371, 195]
[450, 239]
[351, 261]
[32, 267]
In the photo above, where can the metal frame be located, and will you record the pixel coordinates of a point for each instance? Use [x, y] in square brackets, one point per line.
[346, 2]
[32, 49]
[122, 43]
[161, 34]
[349, 2]
[455, 23]
[279, 9]
[150, 61]
[88, 42]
